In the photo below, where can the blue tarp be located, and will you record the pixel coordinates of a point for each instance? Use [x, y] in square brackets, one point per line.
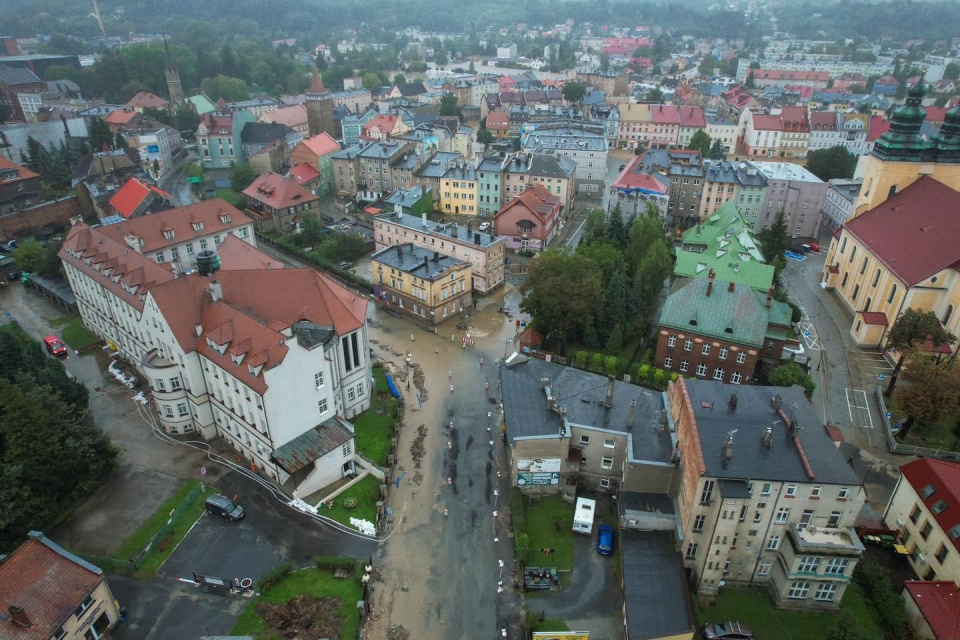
[392, 386]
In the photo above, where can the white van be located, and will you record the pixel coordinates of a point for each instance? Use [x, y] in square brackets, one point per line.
[583, 516]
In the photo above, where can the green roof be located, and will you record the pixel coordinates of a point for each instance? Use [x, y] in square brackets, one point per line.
[202, 104]
[739, 316]
[725, 243]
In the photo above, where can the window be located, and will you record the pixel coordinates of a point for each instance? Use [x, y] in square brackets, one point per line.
[610, 444]
[59, 634]
[692, 550]
[741, 357]
[698, 523]
[161, 385]
[190, 249]
[175, 383]
[322, 405]
[182, 409]
[684, 365]
[667, 362]
[718, 373]
[939, 507]
[723, 353]
[942, 554]
[584, 440]
[604, 483]
[351, 395]
[159, 256]
[86, 604]
[815, 492]
[203, 244]
[782, 514]
[834, 520]
[799, 590]
[767, 488]
[360, 390]
[763, 568]
[954, 532]
[810, 564]
[318, 379]
[774, 543]
[844, 492]
[927, 491]
[606, 463]
[687, 345]
[701, 369]
[827, 591]
[925, 531]
[706, 495]
[893, 293]
[705, 350]
[672, 341]
[791, 491]
[836, 567]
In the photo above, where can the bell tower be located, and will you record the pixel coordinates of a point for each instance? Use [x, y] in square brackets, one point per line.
[174, 88]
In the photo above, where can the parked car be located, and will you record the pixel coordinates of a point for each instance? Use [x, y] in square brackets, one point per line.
[346, 264]
[484, 226]
[622, 167]
[726, 631]
[54, 346]
[9, 245]
[224, 507]
[812, 246]
[605, 540]
[797, 249]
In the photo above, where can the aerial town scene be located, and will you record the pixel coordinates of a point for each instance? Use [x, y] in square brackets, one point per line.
[408, 320]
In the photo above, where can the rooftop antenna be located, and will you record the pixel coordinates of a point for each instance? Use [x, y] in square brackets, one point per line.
[728, 445]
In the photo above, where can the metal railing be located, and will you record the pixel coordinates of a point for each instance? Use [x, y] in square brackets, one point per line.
[908, 449]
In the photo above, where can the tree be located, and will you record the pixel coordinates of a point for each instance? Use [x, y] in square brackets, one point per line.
[951, 71]
[700, 141]
[604, 62]
[644, 233]
[615, 341]
[616, 230]
[50, 265]
[594, 227]
[226, 87]
[845, 627]
[573, 92]
[119, 142]
[931, 390]
[654, 95]
[561, 292]
[718, 150]
[241, 176]
[913, 329]
[651, 272]
[29, 256]
[449, 105]
[485, 137]
[835, 162]
[100, 135]
[371, 80]
[750, 84]
[399, 79]
[775, 239]
[791, 373]
[613, 313]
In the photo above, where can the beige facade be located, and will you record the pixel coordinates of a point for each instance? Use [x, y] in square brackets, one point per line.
[104, 614]
[933, 555]
[883, 178]
[439, 291]
[814, 567]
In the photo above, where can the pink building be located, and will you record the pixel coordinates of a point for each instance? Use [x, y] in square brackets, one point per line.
[530, 221]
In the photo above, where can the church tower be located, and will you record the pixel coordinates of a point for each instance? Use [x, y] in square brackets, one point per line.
[174, 88]
[320, 108]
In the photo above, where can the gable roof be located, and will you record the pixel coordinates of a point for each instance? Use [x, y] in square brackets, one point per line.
[944, 477]
[303, 173]
[263, 132]
[22, 172]
[914, 232]
[292, 116]
[823, 121]
[145, 99]
[121, 116]
[939, 603]
[14, 76]
[535, 199]
[321, 144]
[313, 444]
[275, 191]
[132, 194]
[411, 89]
[877, 126]
[236, 254]
[48, 582]
[215, 215]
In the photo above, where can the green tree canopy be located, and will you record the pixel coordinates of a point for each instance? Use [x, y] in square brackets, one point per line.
[594, 228]
[617, 232]
[912, 330]
[930, 390]
[700, 141]
[226, 87]
[718, 151]
[835, 162]
[449, 105]
[29, 256]
[775, 239]
[951, 71]
[573, 92]
[791, 373]
[241, 176]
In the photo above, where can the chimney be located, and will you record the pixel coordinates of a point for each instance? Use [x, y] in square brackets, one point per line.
[423, 219]
[216, 292]
[20, 617]
[710, 279]
[632, 416]
[399, 250]
[609, 401]
[436, 256]
[730, 287]
[768, 437]
[770, 296]
[733, 402]
[728, 445]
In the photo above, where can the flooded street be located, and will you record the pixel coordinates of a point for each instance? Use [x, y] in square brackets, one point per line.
[440, 573]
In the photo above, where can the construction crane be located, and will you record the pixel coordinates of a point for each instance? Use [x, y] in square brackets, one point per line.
[96, 15]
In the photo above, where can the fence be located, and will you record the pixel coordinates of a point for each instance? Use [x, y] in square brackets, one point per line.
[907, 449]
[347, 277]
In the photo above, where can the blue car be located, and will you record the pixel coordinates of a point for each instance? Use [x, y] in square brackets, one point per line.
[605, 540]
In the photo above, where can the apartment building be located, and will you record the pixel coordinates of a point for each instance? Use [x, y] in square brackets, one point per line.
[490, 183]
[763, 78]
[482, 250]
[556, 174]
[924, 512]
[530, 221]
[458, 190]
[219, 136]
[783, 135]
[838, 205]
[686, 190]
[588, 149]
[173, 238]
[756, 463]
[421, 282]
[814, 567]
[371, 171]
[278, 204]
[721, 184]
[268, 359]
[797, 193]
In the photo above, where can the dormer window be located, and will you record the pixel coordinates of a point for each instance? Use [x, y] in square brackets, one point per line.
[225, 218]
[168, 234]
[254, 371]
[237, 358]
[197, 226]
[222, 131]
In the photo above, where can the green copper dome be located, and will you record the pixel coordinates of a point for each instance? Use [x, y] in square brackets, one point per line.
[902, 142]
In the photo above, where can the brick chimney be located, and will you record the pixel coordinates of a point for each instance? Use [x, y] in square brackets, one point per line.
[19, 616]
[710, 279]
[770, 296]
[730, 287]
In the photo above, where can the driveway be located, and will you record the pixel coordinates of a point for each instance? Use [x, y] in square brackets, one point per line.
[269, 535]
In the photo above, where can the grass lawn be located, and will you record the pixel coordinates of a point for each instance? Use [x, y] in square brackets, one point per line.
[374, 432]
[230, 196]
[156, 522]
[755, 609]
[367, 493]
[942, 435]
[547, 624]
[550, 526]
[74, 333]
[316, 582]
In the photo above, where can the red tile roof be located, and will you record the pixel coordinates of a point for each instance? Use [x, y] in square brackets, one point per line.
[275, 191]
[945, 478]
[128, 274]
[939, 603]
[120, 116]
[874, 317]
[537, 200]
[765, 122]
[48, 583]
[877, 127]
[22, 172]
[145, 99]
[793, 119]
[385, 124]
[321, 144]
[498, 120]
[132, 194]
[633, 177]
[236, 254]
[294, 116]
[257, 305]
[823, 121]
[664, 114]
[936, 114]
[214, 122]
[691, 117]
[304, 173]
[914, 232]
[215, 216]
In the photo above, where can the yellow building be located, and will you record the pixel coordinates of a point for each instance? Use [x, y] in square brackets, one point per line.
[458, 190]
[899, 255]
[422, 283]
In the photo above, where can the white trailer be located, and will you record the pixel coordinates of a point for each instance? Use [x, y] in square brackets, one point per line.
[583, 516]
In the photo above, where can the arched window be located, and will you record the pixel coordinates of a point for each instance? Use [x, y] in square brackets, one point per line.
[892, 191]
[863, 267]
[876, 278]
[893, 293]
[947, 315]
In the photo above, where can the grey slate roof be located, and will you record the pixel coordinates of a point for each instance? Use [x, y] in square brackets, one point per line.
[14, 76]
[449, 229]
[754, 413]
[417, 261]
[654, 589]
[566, 138]
[262, 132]
[438, 164]
[582, 394]
[552, 167]
[313, 444]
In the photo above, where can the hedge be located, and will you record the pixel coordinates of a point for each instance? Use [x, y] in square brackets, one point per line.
[274, 576]
[336, 562]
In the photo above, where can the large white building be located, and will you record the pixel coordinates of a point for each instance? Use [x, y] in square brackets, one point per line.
[272, 360]
[585, 147]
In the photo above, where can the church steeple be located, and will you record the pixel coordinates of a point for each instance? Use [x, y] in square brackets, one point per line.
[174, 87]
[902, 142]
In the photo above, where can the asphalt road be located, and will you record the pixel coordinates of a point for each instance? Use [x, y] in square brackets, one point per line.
[175, 182]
